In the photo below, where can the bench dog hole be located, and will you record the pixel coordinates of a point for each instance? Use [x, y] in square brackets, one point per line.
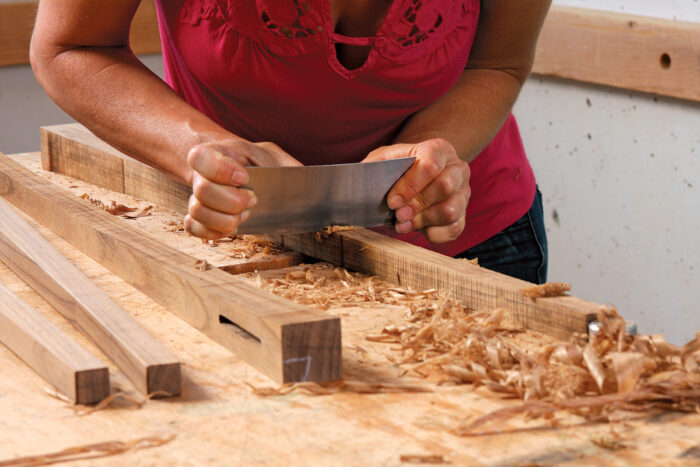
[238, 329]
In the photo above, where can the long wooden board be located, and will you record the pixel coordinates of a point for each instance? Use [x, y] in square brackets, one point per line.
[286, 341]
[149, 365]
[74, 151]
[72, 370]
[618, 49]
[610, 48]
[17, 24]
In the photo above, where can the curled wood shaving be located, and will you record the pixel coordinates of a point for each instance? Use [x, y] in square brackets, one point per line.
[89, 451]
[249, 246]
[423, 459]
[176, 226]
[146, 211]
[323, 235]
[202, 265]
[118, 397]
[336, 387]
[550, 289]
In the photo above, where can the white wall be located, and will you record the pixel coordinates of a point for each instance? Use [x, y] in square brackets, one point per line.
[620, 175]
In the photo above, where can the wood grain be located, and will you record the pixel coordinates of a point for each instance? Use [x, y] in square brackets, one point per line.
[72, 370]
[621, 50]
[359, 250]
[17, 24]
[285, 341]
[149, 365]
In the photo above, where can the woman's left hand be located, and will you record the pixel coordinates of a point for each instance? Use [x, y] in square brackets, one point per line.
[432, 195]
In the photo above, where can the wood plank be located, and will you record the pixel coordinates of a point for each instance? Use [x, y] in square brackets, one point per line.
[72, 370]
[371, 253]
[17, 24]
[149, 365]
[285, 341]
[618, 49]
[72, 150]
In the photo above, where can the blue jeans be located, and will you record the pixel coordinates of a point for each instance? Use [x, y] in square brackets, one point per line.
[519, 250]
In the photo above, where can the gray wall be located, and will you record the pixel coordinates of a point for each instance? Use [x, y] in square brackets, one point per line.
[24, 107]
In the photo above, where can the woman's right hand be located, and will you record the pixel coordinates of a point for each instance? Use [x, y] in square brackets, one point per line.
[218, 205]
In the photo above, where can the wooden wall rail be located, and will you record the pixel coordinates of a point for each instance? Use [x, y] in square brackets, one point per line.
[17, 23]
[614, 49]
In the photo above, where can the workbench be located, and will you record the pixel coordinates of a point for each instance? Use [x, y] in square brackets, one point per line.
[220, 420]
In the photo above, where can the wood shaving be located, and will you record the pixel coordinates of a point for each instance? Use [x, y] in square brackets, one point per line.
[146, 211]
[175, 226]
[324, 234]
[550, 289]
[202, 265]
[119, 397]
[89, 451]
[474, 261]
[423, 459]
[325, 389]
[249, 246]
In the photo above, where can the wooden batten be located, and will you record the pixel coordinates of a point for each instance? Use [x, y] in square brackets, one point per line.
[359, 250]
[286, 341]
[149, 365]
[68, 367]
[626, 51]
[609, 48]
[17, 24]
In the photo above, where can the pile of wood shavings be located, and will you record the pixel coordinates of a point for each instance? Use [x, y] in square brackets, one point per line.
[323, 286]
[247, 246]
[613, 371]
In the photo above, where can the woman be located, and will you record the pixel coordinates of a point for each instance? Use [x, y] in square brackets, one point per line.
[326, 81]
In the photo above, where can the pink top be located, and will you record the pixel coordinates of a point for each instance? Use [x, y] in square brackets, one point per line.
[267, 70]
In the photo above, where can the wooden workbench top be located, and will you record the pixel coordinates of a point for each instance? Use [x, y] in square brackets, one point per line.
[219, 420]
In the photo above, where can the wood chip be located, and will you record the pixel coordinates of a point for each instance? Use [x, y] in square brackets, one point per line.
[550, 289]
[202, 265]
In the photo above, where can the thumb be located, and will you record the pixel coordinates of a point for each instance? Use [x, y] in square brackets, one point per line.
[394, 151]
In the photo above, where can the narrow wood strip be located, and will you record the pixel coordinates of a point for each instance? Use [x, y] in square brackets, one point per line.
[17, 24]
[286, 341]
[621, 50]
[149, 365]
[72, 150]
[72, 370]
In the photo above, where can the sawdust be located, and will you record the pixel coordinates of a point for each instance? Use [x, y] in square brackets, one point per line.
[89, 451]
[550, 289]
[248, 246]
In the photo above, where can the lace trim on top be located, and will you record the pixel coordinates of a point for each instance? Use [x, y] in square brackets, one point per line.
[295, 27]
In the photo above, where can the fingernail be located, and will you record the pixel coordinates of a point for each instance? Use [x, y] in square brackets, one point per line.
[404, 214]
[252, 202]
[239, 178]
[245, 215]
[404, 227]
[395, 201]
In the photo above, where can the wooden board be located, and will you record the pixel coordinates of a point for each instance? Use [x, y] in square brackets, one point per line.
[150, 367]
[72, 370]
[621, 50]
[609, 48]
[17, 24]
[478, 288]
[219, 421]
[74, 151]
[285, 341]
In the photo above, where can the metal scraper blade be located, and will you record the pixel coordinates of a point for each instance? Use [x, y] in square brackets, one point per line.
[309, 198]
